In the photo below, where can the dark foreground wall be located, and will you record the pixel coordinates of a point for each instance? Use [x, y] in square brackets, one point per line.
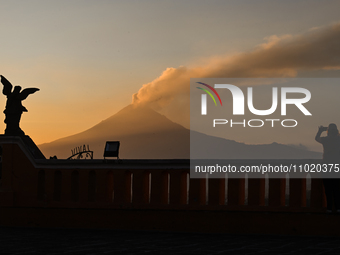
[151, 195]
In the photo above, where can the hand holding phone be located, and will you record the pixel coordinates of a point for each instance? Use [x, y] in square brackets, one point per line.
[322, 128]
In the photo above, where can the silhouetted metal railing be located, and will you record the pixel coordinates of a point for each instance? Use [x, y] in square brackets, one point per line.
[172, 189]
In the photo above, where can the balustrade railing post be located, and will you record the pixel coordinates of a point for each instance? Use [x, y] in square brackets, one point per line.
[175, 187]
[159, 187]
[184, 187]
[236, 191]
[83, 186]
[216, 191]
[57, 185]
[277, 192]
[178, 187]
[49, 182]
[297, 192]
[92, 186]
[197, 191]
[75, 186]
[256, 191]
[101, 186]
[122, 187]
[317, 198]
[109, 187]
[140, 187]
[41, 186]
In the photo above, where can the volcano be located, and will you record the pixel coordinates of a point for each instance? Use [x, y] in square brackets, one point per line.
[142, 132]
[145, 134]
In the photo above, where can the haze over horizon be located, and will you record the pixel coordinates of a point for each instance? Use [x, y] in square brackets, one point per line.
[145, 134]
[89, 57]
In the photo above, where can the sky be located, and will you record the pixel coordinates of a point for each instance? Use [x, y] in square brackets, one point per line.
[92, 58]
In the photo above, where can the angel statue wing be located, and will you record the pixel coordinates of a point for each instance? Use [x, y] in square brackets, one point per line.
[7, 86]
[24, 94]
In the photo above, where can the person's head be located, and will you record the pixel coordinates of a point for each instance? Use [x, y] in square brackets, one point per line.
[332, 130]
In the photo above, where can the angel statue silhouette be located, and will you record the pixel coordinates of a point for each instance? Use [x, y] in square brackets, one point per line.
[14, 107]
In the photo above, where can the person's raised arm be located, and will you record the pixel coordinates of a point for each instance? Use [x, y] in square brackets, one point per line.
[318, 134]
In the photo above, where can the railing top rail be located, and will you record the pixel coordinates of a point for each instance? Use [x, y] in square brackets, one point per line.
[126, 163]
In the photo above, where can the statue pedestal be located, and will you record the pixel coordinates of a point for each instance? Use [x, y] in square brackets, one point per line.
[30, 145]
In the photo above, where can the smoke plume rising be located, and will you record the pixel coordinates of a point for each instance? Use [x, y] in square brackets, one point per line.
[279, 56]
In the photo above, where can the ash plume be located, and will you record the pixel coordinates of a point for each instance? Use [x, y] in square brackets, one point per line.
[279, 56]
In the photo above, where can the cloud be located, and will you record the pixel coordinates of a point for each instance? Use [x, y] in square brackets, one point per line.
[279, 56]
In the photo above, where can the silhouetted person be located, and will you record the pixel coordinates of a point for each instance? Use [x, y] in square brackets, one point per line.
[331, 155]
[14, 107]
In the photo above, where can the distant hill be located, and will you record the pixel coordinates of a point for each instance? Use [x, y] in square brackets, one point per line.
[218, 148]
[142, 132]
[146, 134]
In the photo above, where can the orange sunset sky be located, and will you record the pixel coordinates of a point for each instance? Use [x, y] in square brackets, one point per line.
[90, 57]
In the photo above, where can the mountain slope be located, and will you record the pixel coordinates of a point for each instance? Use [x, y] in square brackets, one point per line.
[217, 148]
[144, 133]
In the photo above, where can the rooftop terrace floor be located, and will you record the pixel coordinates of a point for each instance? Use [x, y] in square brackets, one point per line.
[98, 241]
